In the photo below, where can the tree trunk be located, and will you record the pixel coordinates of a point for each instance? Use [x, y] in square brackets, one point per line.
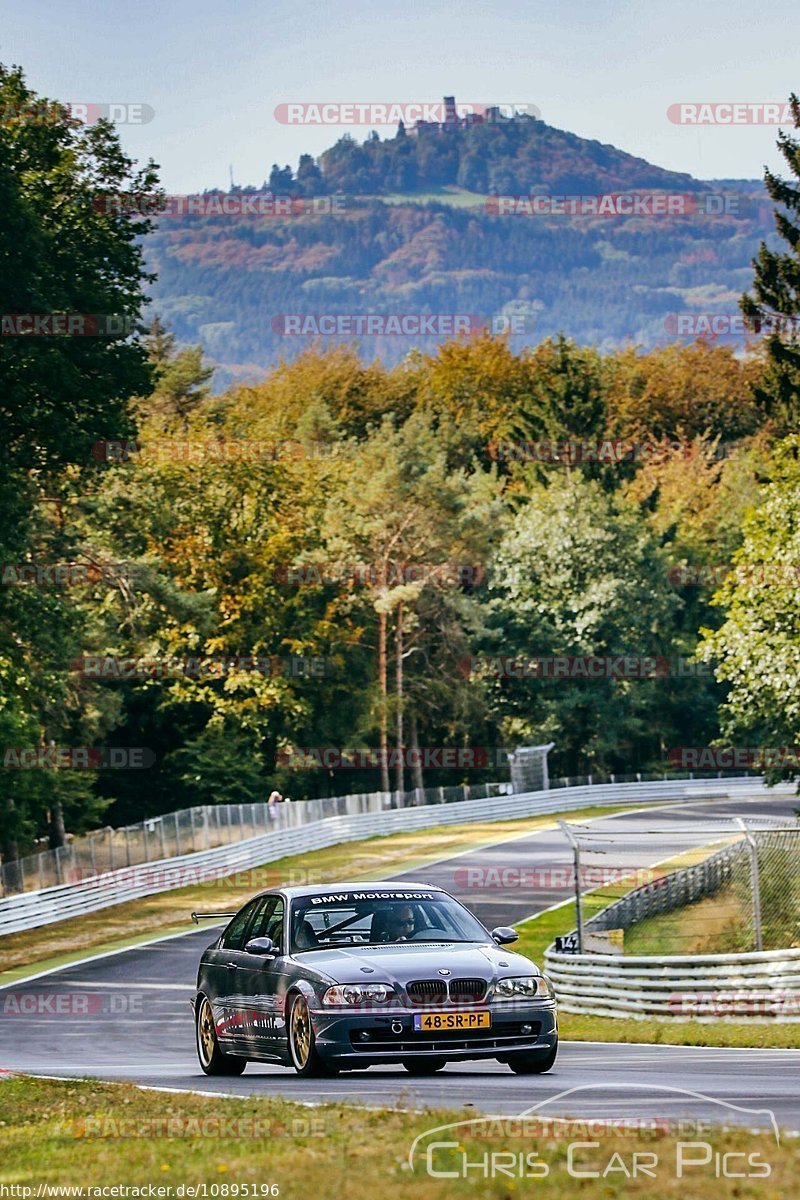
[8, 842]
[416, 765]
[57, 832]
[9, 846]
[399, 779]
[382, 716]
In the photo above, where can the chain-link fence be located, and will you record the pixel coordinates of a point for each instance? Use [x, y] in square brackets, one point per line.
[191, 829]
[724, 887]
[203, 828]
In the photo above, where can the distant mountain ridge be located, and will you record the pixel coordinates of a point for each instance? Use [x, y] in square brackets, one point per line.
[515, 154]
[392, 248]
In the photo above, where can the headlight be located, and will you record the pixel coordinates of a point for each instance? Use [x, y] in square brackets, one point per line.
[524, 987]
[358, 993]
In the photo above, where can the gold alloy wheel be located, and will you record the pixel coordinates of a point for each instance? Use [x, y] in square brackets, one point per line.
[300, 1032]
[206, 1038]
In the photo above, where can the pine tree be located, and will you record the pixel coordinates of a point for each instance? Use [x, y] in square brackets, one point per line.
[281, 181]
[309, 177]
[775, 305]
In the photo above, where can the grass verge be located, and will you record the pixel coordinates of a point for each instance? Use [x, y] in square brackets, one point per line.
[714, 925]
[86, 1135]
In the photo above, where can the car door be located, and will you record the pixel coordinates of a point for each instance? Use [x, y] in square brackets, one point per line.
[225, 972]
[261, 981]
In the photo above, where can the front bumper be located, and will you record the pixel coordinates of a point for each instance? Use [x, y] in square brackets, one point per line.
[362, 1038]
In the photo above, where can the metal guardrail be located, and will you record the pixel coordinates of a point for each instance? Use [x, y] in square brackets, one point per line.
[201, 828]
[702, 987]
[668, 892]
[174, 834]
[293, 833]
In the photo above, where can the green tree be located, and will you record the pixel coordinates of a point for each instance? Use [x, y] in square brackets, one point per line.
[309, 177]
[63, 250]
[578, 574]
[180, 377]
[403, 513]
[775, 301]
[757, 647]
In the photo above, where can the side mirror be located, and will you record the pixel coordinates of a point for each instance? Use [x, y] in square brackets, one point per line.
[503, 935]
[263, 946]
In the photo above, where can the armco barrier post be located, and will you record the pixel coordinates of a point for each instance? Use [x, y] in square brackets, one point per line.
[576, 853]
[754, 880]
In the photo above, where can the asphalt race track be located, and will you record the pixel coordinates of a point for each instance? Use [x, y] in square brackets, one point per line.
[127, 1015]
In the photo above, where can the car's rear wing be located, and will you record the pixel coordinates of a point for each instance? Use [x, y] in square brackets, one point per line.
[197, 917]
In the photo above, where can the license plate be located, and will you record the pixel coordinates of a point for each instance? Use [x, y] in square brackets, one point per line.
[452, 1020]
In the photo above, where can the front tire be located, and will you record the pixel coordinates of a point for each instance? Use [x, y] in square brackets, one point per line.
[212, 1060]
[527, 1062]
[424, 1066]
[306, 1060]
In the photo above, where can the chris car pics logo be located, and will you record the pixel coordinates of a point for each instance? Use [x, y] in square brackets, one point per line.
[531, 1145]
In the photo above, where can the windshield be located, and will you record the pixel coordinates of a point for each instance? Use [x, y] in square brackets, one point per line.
[365, 918]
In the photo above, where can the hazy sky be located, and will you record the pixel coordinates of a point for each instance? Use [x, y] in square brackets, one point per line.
[214, 71]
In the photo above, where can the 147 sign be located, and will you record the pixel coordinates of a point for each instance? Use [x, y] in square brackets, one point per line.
[568, 944]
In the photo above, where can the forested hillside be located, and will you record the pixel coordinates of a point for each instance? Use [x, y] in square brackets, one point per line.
[520, 154]
[229, 281]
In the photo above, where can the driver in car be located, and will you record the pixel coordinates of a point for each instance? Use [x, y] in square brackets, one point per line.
[400, 924]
